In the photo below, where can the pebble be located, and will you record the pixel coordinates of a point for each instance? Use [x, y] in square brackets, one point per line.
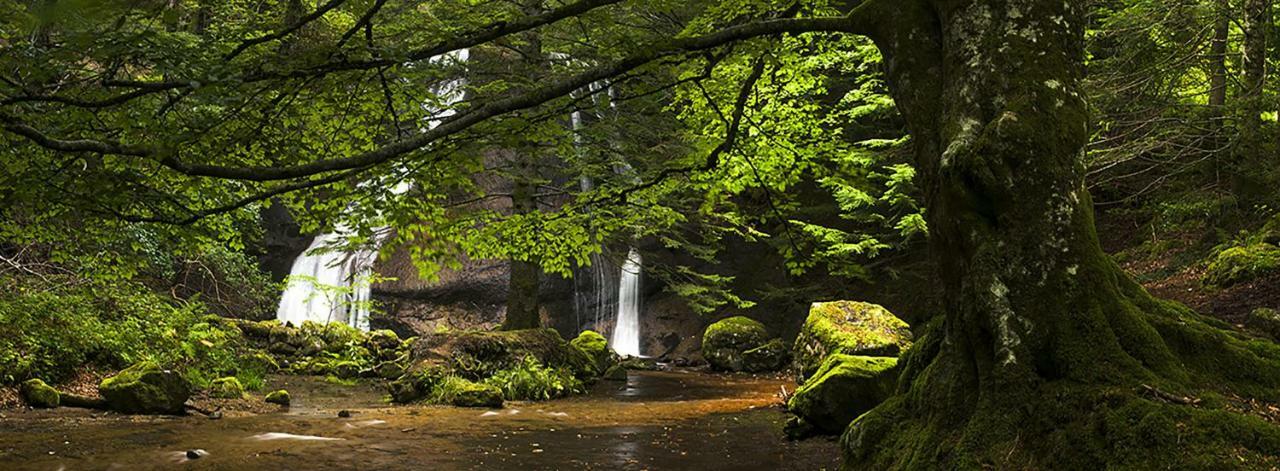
[193, 454]
[344, 414]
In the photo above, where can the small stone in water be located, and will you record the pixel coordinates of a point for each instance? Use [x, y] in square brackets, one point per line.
[193, 454]
[344, 413]
[215, 415]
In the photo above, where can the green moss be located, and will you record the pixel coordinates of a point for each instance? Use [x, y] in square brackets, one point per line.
[145, 388]
[280, 397]
[849, 328]
[1241, 264]
[226, 388]
[616, 373]
[464, 393]
[595, 347]
[843, 388]
[1264, 320]
[772, 356]
[417, 383]
[724, 342]
[38, 394]
[532, 381]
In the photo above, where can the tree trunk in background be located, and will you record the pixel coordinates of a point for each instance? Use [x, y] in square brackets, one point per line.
[1218, 59]
[1039, 323]
[526, 275]
[1250, 181]
[522, 295]
[1218, 84]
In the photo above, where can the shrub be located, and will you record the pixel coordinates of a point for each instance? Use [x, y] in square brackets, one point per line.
[530, 380]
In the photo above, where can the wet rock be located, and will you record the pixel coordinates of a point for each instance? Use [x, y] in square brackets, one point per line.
[195, 454]
[215, 415]
[848, 328]
[844, 387]
[344, 414]
[1264, 320]
[280, 397]
[418, 382]
[38, 394]
[724, 342]
[615, 373]
[388, 370]
[595, 347]
[772, 356]
[346, 369]
[226, 388]
[796, 428]
[145, 388]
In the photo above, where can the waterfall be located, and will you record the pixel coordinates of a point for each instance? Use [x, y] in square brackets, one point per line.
[327, 285]
[626, 329]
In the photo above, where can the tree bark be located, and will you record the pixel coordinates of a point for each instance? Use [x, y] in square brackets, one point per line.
[526, 275]
[1218, 58]
[1250, 180]
[1039, 323]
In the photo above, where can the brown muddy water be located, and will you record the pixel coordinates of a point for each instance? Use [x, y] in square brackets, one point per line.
[655, 421]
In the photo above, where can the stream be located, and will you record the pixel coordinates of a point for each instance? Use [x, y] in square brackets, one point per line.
[656, 420]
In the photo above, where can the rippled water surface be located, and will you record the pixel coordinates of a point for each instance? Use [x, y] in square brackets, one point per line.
[657, 420]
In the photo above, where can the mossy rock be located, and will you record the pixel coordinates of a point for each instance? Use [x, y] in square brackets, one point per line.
[346, 369]
[478, 354]
[844, 387]
[725, 341]
[595, 347]
[417, 383]
[1240, 264]
[384, 344]
[464, 393]
[848, 328]
[1264, 320]
[145, 388]
[772, 356]
[39, 395]
[388, 370]
[615, 373]
[280, 397]
[226, 388]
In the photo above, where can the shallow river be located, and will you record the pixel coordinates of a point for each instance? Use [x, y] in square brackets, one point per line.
[656, 421]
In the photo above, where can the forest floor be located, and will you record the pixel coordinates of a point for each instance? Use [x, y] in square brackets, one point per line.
[1171, 266]
[655, 420]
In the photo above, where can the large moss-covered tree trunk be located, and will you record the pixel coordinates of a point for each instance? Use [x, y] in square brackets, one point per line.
[1047, 355]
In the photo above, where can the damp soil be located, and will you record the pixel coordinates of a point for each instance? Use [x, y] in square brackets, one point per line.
[654, 421]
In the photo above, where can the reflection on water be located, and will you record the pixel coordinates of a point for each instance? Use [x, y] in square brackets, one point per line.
[657, 421]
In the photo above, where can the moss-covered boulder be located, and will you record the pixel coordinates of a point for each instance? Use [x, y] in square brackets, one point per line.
[418, 383]
[844, 387]
[595, 347]
[772, 356]
[384, 344]
[464, 393]
[1264, 320]
[145, 388]
[1240, 264]
[226, 388]
[346, 369]
[37, 394]
[477, 355]
[280, 397]
[725, 341]
[848, 328]
[615, 373]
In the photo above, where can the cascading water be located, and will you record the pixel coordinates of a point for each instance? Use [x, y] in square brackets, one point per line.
[626, 330]
[327, 285]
